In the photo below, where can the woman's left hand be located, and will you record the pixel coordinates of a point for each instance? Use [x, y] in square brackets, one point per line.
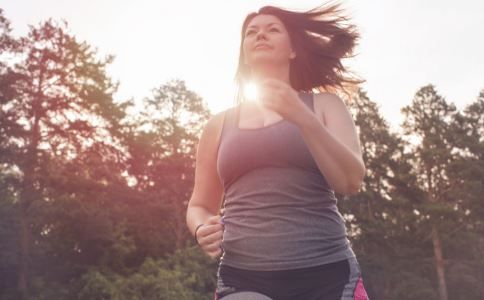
[281, 98]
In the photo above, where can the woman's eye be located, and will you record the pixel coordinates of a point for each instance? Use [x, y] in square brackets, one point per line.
[250, 32]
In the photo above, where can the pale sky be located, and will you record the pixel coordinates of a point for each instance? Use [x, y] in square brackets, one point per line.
[404, 44]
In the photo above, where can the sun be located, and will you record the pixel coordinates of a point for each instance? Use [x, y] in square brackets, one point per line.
[250, 91]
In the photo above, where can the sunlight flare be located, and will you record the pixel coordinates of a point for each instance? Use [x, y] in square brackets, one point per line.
[250, 91]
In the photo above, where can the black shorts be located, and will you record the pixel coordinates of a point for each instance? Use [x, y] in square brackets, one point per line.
[334, 281]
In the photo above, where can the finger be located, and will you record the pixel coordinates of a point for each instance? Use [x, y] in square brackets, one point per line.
[212, 247]
[272, 82]
[214, 237]
[213, 219]
[215, 254]
[269, 104]
[272, 95]
[209, 229]
[209, 234]
[210, 238]
[267, 90]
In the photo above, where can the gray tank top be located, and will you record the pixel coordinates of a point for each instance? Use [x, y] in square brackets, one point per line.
[280, 212]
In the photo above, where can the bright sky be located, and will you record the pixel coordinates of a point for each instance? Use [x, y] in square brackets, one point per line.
[404, 46]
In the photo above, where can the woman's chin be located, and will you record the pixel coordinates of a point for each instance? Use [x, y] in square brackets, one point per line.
[264, 58]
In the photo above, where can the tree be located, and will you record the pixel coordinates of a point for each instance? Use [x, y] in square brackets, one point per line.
[57, 101]
[9, 226]
[380, 218]
[428, 120]
[465, 261]
[163, 148]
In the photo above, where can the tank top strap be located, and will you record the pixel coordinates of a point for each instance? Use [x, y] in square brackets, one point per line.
[233, 115]
[230, 119]
[308, 99]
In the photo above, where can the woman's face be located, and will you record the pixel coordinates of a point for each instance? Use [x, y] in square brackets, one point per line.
[266, 40]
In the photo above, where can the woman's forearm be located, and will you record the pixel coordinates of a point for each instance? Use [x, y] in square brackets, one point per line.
[196, 215]
[342, 168]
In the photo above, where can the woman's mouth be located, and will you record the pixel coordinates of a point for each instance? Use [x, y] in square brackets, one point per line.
[262, 47]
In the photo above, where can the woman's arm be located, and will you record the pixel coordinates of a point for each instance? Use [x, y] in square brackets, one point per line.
[334, 144]
[206, 200]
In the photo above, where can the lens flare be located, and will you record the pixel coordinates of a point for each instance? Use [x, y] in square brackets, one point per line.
[250, 91]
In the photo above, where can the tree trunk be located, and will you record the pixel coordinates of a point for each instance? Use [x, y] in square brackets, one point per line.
[28, 193]
[24, 255]
[439, 264]
[27, 196]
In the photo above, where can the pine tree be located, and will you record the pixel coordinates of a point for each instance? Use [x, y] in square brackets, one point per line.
[57, 101]
[428, 124]
[381, 218]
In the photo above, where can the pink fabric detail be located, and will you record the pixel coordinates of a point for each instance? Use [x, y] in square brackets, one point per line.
[360, 293]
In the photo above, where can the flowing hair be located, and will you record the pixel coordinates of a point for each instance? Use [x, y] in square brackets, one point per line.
[320, 39]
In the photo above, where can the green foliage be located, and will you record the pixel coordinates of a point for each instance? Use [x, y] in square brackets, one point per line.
[183, 275]
[93, 199]
[430, 177]
[9, 228]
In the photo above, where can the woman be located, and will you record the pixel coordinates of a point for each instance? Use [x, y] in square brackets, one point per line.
[276, 163]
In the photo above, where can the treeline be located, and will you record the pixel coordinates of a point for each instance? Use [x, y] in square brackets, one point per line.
[93, 197]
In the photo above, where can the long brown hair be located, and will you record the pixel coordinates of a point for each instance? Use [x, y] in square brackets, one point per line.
[320, 39]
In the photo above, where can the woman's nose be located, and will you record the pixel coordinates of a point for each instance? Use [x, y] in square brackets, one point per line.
[261, 35]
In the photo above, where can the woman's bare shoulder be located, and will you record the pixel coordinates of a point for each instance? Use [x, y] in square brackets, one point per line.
[327, 98]
[327, 103]
[216, 121]
[324, 103]
[213, 128]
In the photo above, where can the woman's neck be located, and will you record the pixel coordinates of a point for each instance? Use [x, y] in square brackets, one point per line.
[264, 72]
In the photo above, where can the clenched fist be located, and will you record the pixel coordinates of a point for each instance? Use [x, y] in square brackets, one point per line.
[209, 236]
